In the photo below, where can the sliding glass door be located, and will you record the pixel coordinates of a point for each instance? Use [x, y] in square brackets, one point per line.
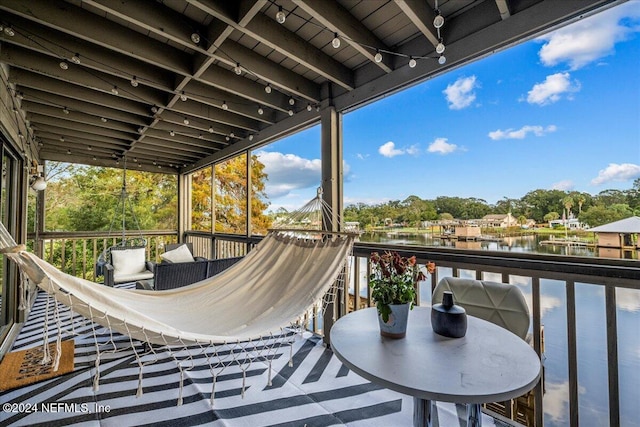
[9, 206]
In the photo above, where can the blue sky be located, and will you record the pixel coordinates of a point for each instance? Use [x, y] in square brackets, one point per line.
[558, 112]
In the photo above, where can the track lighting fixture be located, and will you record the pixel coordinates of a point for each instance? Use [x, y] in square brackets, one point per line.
[65, 110]
[440, 48]
[267, 88]
[183, 96]
[195, 37]
[115, 90]
[224, 105]
[412, 62]
[227, 138]
[378, 56]
[172, 133]
[64, 65]
[210, 129]
[185, 121]
[237, 69]
[103, 119]
[76, 58]
[154, 109]
[292, 101]
[442, 60]
[438, 21]
[9, 31]
[260, 111]
[309, 107]
[290, 112]
[134, 81]
[250, 137]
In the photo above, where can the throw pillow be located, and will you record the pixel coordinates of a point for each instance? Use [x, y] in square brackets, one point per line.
[128, 261]
[179, 254]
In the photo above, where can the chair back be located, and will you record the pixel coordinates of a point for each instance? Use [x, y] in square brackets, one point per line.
[499, 303]
[171, 246]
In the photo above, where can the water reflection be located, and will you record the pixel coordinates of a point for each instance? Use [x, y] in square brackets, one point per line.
[530, 243]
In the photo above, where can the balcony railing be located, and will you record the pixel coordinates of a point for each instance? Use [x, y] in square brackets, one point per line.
[560, 292]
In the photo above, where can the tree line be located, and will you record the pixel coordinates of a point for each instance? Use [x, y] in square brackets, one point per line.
[539, 205]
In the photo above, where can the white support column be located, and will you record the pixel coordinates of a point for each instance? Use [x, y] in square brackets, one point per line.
[331, 155]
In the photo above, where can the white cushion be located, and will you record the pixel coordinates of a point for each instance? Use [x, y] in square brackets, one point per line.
[179, 254]
[128, 261]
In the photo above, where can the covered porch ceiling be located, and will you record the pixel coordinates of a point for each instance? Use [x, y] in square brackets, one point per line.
[177, 84]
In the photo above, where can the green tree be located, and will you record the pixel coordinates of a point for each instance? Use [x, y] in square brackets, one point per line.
[599, 215]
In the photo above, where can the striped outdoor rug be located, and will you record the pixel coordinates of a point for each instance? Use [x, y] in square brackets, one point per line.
[317, 391]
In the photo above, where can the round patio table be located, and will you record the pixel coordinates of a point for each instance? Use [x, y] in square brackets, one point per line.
[488, 364]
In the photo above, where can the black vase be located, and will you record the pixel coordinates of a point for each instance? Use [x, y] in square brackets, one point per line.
[448, 319]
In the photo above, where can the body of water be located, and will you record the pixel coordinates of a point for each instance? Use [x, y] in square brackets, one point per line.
[591, 329]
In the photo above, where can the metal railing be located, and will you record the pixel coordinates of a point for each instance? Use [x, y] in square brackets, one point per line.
[76, 253]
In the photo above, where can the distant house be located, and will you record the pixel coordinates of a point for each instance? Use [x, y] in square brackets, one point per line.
[499, 221]
[570, 224]
[622, 234]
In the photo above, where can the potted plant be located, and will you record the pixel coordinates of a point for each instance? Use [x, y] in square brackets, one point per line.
[393, 282]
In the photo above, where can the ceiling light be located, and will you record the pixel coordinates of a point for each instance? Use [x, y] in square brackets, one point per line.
[64, 110]
[103, 119]
[336, 41]
[280, 16]
[135, 160]
[210, 129]
[292, 101]
[183, 96]
[20, 135]
[378, 56]
[232, 135]
[250, 137]
[267, 88]
[9, 31]
[195, 37]
[237, 69]
[62, 139]
[114, 90]
[309, 107]
[134, 81]
[19, 95]
[438, 21]
[290, 112]
[76, 58]
[140, 129]
[440, 48]
[172, 133]
[260, 111]
[412, 62]
[224, 105]
[442, 60]
[89, 148]
[154, 109]
[200, 136]
[227, 138]
[64, 65]
[95, 158]
[68, 151]
[185, 121]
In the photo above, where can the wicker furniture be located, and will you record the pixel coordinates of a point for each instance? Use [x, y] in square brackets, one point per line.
[177, 275]
[126, 264]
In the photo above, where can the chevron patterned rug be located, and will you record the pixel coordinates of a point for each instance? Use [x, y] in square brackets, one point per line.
[316, 391]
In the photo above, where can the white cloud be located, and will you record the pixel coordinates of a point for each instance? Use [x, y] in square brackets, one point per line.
[588, 40]
[628, 299]
[288, 172]
[616, 172]
[566, 185]
[413, 150]
[461, 93]
[441, 146]
[388, 149]
[552, 89]
[361, 156]
[522, 132]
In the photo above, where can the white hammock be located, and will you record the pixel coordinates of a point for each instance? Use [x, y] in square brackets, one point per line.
[271, 288]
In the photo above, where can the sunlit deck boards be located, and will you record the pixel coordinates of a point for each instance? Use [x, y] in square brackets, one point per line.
[317, 391]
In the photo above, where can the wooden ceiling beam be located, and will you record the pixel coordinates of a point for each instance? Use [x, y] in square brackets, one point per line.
[75, 21]
[421, 15]
[27, 79]
[350, 30]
